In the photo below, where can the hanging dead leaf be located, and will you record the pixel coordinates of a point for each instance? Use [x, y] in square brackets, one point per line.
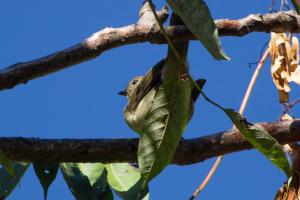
[294, 68]
[294, 53]
[283, 96]
[284, 194]
[284, 49]
[277, 71]
[284, 63]
[296, 75]
[272, 47]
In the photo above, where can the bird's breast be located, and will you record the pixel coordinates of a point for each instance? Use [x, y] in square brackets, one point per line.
[136, 118]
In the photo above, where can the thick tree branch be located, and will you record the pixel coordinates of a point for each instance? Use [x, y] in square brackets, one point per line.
[124, 150]
[143, 31]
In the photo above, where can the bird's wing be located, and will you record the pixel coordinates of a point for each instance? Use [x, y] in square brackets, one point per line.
[195, 92]
[151, 80]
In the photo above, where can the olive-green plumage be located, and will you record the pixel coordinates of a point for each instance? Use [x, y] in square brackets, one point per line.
[140, 93]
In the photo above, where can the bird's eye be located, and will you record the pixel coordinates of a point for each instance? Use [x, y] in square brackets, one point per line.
[135, 82]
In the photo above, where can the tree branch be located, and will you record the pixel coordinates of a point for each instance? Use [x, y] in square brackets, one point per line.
[143, 31]
[124, 150]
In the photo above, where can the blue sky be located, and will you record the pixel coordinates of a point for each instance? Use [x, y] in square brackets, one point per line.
[82, 101]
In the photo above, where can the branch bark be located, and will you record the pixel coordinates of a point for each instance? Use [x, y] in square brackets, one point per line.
[124, 150]
[142, 31]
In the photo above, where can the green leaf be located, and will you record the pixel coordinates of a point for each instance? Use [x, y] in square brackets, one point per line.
[261, 140]
[108, 194]
[163, 128]
[87, 180]
[296, 4]
[171, 109]
[46, 173]
[124, 179]
[4, 161]
[7, 182]
[198, 19]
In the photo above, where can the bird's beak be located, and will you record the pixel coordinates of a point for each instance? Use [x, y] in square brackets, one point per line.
[123, 93]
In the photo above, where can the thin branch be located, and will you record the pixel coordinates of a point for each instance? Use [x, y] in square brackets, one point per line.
[289, 106]
[241, 111]
[124, 150]
[207, 178]
[109, 38]
[252, 82]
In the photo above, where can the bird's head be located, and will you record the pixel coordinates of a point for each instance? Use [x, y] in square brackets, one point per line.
[131, 87]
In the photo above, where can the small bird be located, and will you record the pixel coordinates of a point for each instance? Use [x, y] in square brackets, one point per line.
[140, 93]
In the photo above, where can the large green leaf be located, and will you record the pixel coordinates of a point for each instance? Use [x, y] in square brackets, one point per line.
[46, 173]
[168, 116]
[198, 19]
[6, 164]
[87, 180]
[124, 179]
[164, 126]
[261, 140]
[7, 182]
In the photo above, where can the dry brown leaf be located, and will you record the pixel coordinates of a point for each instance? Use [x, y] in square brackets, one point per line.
[284, 50]
[291, 191]
[272, 47]
[276, 71]
[284, 193]
[294, 68]
[296, 75]
[295, 51]
[283, 96]
[284, 63]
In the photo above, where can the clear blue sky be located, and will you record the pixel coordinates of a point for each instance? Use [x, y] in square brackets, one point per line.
[82, 101]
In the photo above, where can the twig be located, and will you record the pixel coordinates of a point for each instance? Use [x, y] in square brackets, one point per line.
[207, 178]
[252, 82]
[241, 111]
[283, 4]
[289, 106]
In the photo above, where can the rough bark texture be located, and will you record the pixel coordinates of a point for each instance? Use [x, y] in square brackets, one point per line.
[145, 30]
[124, 150]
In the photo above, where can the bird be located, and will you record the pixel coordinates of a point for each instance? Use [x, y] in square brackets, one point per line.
[140, 93]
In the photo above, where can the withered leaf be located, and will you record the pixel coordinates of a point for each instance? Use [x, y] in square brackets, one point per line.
[284, 63]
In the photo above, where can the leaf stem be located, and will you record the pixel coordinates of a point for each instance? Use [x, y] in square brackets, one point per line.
[241, 111]
[177, 55]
